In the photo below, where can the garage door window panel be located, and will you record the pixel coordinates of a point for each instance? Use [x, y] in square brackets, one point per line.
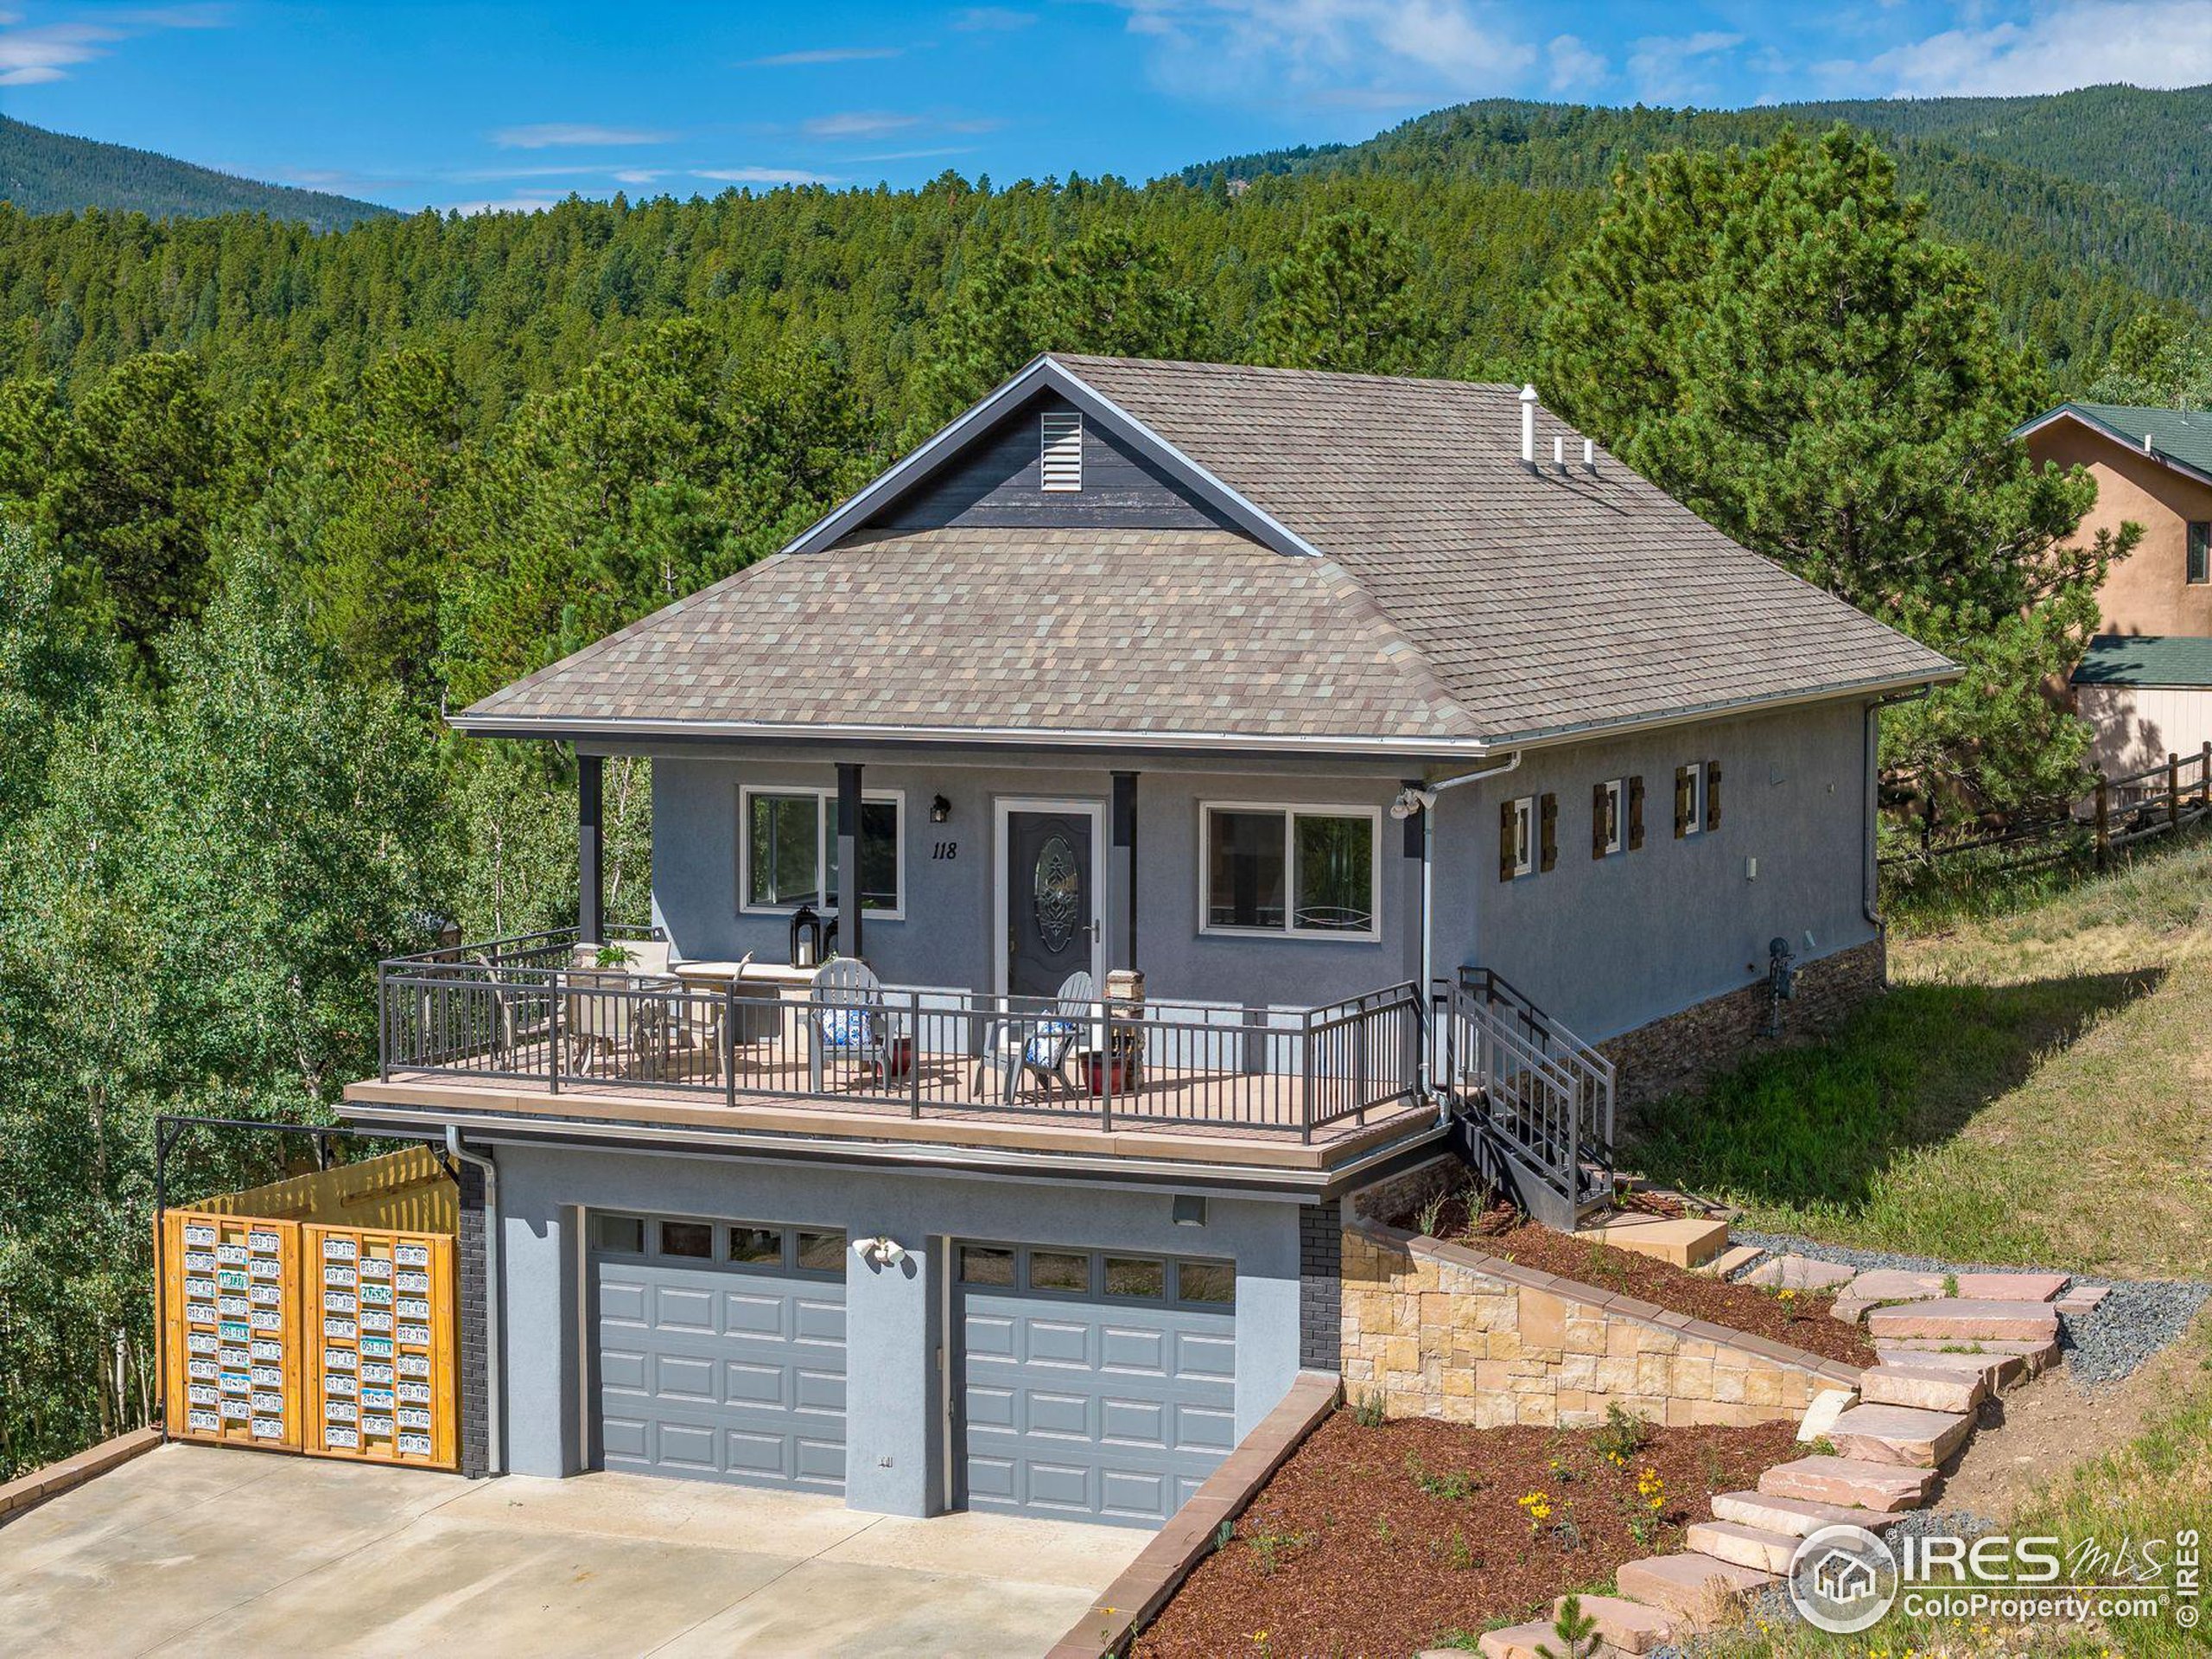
[690, 1241]
[822, 1251]
[989, 1265]
[1209, 1284]
[1059, 1271]
[1135, 1279]
[624, 1234]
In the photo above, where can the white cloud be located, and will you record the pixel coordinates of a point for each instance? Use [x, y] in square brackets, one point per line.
[762, 175]
[1573, 66]
[31, 54]
[991, 19]
[1677, 68]
[548, 135]
[2086, 43]
[858, 124]
[635, 175]
[1356, 52]
[822, 54]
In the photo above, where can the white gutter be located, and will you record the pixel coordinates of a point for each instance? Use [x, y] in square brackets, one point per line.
[1426, 806]
[495, 1391]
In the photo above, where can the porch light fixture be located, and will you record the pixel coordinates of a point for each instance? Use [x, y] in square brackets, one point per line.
[1188, 1210]
[879, 1252]
[940, 810]
[1410, 800]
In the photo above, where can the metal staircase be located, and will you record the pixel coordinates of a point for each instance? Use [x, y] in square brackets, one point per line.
[1538, 1099]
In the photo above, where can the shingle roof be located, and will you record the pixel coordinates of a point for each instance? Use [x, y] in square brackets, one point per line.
[2179, 435]
[1134, 631]
[1545, 601]
[1457, 599]
[2146, 659]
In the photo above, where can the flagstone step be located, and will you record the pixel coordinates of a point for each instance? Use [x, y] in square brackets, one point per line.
[1735, 1258]
[1965, 1319]
[1731, 1540]
[1799, 1273]
[1699, 1590]
[1797, 1516]
[1921, 1440]
[1631, 1626]
[1685, 1241]
[2083, 1298]
[2004, 1362]
[1851, 1482]
[1924, 1388]
[1897, 1284]
[1532, 1640]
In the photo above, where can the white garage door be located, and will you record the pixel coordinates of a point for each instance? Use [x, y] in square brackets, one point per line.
[1092, 1385]
[718, 1350]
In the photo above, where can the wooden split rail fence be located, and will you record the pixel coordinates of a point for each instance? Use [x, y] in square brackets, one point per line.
[2115, 813]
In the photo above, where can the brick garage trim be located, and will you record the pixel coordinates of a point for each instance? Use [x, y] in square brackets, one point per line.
[1439, 1330]
[28, 1491]
[1129, 1604]
[1321, 1284]
[474, 1383]
[1682, 1050]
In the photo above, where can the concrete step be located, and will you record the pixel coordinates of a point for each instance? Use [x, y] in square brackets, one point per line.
[1631, 1626]
[1850, 1481]
[1919, 1439]
[1531, 1641]
[1734, 1259]
[1731, 1540]
[1795, 1515]
[1798, 1272]
[1962, 1320]
[1701, 1592]
[1686, 1241]
[1924, 1388]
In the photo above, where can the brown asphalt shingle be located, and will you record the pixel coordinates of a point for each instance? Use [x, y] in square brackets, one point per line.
[1461, 598]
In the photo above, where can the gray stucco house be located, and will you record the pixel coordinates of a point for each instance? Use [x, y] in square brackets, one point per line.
[1360, 740]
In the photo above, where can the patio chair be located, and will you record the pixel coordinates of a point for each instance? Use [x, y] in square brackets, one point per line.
[845, 1017]
[1039, 1046]
[521, 1010]
[608, 1020]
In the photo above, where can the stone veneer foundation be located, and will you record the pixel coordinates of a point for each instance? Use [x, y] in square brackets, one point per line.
[1439, 1330]
[1682, 1050]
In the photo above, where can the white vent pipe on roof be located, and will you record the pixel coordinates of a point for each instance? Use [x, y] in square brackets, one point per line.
[1528, 427]
[1589, 456]
[1559, 455]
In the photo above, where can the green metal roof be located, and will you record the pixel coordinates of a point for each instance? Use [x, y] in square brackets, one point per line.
[2180, 436]
[2146, 659]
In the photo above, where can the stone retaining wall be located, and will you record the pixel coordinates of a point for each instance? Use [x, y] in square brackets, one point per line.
[1439, 1330]
[1682, 1050]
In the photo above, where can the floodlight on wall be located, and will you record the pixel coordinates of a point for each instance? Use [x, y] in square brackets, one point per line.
[1410, 800]
[1188, 1210]
[940, 810]
[879, 1252]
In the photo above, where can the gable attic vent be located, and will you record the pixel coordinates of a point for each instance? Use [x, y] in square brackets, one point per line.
[1061, 460]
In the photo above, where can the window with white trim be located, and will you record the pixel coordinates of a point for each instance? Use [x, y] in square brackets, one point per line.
[1520, 827]
[1689, 800]
[1297, 872]
[1059, 461]
[787, 854]
[1609, 833]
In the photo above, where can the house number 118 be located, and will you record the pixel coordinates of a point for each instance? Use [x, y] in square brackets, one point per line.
[944, 849]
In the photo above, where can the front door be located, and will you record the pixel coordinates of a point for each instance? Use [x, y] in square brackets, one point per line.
[1050, 897]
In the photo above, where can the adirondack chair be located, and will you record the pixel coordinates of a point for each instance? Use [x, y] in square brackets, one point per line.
[846, 1018]
[1039, 1046]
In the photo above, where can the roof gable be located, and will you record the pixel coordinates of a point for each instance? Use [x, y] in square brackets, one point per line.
[2180, 439]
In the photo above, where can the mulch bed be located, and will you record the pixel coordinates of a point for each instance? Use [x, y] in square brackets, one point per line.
[1801, 1319]
[1381, 1541]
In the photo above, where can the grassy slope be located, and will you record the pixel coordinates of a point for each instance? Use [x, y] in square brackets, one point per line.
[2032, 1091]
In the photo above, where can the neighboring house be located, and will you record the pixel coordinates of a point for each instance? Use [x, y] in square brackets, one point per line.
[1388, 749]
[2144, 683]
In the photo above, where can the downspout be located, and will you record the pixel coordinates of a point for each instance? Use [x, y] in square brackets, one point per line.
[1870, 736]
[495, 1392]
[1429, 792]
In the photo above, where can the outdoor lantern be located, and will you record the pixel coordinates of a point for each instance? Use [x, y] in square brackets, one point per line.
[940, 810]
[1189, 1210]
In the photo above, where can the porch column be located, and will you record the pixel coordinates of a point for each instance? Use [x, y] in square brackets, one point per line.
[591, 865]
[848, 859]
[1122, 944]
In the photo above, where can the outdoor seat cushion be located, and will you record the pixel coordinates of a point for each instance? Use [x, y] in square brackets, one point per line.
[848, 1027]
[1045, 1045]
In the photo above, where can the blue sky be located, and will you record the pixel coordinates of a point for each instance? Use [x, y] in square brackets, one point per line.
[463, 104]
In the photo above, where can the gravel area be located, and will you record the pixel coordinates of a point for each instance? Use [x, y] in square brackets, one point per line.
[2138, 1318]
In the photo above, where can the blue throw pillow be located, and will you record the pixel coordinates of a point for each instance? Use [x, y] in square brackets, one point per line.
[1043, 1046]
[847, 1028]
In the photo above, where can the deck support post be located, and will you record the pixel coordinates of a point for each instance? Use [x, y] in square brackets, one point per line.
[848, 860]
[591, 863]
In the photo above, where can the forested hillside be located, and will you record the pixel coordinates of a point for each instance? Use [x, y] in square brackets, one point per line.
[43, 172]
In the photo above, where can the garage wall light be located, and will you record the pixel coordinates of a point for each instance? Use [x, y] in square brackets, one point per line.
[1188, 1210]
[879, 1252]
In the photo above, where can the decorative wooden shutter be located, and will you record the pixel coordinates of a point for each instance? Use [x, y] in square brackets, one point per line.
[1681, 802]
[1598, 836]
[1508, 853]
[1712, 794]
[1548, 811]
[1636, 813]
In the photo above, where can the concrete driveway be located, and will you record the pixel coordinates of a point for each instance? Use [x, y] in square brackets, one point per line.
[192, 1549]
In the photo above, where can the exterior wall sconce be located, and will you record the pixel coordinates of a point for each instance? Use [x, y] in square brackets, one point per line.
[1188, 1210]
[940, 810]
[879, 1252]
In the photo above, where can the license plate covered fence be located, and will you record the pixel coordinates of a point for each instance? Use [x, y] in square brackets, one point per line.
[231, 1351]
[380, 1346]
